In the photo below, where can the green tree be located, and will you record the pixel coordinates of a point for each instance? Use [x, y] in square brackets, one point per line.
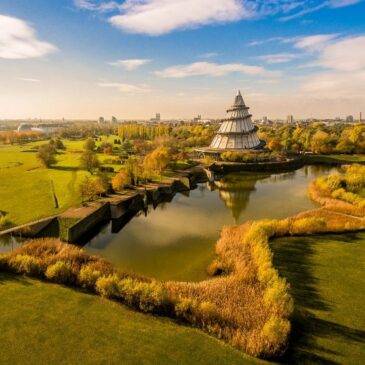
[89, 144]
[46, 155]
[89, 161]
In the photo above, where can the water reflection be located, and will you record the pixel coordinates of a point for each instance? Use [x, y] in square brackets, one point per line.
[235, 191]
[176, 240]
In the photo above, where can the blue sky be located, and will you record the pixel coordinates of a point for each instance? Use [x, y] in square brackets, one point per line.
[132, 58]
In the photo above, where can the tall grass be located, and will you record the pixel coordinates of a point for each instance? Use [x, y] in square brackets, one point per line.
[341, 193]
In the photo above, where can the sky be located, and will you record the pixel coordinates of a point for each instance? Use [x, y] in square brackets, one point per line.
[81, 59]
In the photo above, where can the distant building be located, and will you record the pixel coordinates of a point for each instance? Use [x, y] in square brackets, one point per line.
[157, 119]
[349, 119]
[101, 120]
[198, 118]
[45, 128]
[24, 127]
[290, 119]
[114, 120]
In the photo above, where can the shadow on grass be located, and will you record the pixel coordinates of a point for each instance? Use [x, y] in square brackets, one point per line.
[9, 277]
[293, 260]
[65, 168]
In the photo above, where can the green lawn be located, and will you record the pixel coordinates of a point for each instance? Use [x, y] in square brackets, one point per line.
[326, 274]
[26, 190]
[335, 159]
[49, 324]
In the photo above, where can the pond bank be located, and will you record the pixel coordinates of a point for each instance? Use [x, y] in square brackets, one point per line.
[76, 222]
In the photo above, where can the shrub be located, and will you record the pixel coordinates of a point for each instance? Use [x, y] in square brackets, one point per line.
[277, 296]
[276, 330]
[4, 222]
[25, 264]
[207, 311]
[308, 225]
[185, 308]
[108, 286]
[88, 277]
[148, 297]
[60, 272]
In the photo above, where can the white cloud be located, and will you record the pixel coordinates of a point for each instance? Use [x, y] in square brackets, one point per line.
[126, 88]
[157, 17]
[18, 40]
[130, 64]
[278, 57]
[212, 69]
[208, 55]
[342, 3]
[314, 42]
[27, 79]
[103, 6]
[344, 60]
[344, 55]
[335, 85]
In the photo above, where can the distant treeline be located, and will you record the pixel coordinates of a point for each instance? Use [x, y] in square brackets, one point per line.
[317, 138]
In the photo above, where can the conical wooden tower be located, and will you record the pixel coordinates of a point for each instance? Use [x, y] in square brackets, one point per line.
[237, 131]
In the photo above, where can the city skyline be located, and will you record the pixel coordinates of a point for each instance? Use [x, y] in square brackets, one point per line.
[81, 59]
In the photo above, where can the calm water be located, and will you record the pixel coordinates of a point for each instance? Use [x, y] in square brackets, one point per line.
[176, 240]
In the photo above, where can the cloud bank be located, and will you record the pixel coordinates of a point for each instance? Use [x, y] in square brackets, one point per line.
[212, 69]
[158, 17]
[19, 41]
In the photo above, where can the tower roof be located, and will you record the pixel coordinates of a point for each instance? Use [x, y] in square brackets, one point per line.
[238, 100]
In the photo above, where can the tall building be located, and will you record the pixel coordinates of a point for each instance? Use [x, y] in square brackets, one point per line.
[237, 131]
[114, 120]
[158, 117]
[290, 119]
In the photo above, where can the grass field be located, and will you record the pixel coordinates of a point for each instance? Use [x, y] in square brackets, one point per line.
[26, 187]
[49, 324]
[335, 159]
[326, 274]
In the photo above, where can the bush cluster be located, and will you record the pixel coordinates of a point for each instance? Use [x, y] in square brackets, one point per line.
[348, 188]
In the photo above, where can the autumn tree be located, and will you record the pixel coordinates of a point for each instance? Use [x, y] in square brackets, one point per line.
[157, 160]
[108, 150]
[133, 169]
[90, 188]
[46, 155]
[89, 161]
[121, 180]
[104, 180]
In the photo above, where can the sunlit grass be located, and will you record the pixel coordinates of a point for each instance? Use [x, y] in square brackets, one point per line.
[50, 324]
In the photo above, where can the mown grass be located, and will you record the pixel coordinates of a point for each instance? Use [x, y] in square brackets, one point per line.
[44, 323]
[26, 186]
[326, 274]
[335, 159]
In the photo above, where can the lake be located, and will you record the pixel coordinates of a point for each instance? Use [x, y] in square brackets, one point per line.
[175, 240]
